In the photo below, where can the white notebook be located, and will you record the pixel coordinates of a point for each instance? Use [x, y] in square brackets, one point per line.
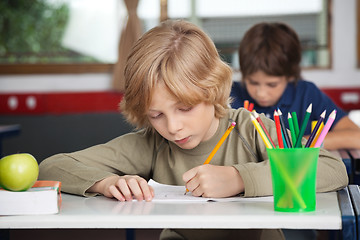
[171, 193]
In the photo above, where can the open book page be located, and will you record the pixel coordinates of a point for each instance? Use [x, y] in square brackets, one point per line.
[171, 193]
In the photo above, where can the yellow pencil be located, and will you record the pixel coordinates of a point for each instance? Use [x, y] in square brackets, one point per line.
[222, 139]
[217, 146]
[260, 131]
[317, 135]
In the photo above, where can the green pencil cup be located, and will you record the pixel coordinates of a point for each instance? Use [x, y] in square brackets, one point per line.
[293, 172]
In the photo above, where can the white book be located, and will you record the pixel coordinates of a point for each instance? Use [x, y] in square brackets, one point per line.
[43, 198]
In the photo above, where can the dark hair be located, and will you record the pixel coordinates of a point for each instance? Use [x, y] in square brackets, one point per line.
[273, 48]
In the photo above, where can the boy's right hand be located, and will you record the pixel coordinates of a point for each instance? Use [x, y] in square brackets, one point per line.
[124, 188]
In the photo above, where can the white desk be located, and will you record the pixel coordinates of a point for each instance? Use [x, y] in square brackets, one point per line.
[101, 212]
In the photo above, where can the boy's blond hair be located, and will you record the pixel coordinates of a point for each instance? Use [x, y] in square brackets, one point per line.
[184, 59]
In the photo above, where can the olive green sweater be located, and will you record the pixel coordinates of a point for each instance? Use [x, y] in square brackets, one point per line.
[151, 156]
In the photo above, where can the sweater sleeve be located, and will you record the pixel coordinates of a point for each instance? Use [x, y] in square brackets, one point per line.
[78, 171]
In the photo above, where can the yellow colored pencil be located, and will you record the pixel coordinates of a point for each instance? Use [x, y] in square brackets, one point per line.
[317, 135]
[222, 139]
[261, 132]
[218, 145]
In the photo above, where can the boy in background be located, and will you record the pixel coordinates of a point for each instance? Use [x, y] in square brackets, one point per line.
[269, 56]
[177, 93]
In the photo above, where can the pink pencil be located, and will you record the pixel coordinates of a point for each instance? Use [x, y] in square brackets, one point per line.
[326, 128]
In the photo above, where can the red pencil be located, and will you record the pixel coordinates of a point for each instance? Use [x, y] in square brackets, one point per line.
[257, 116]
[251, 107]
[278, 129]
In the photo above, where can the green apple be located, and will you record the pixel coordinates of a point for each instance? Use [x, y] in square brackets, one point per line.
[18, 172]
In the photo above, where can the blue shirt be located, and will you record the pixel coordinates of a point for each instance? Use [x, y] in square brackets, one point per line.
[296, 98]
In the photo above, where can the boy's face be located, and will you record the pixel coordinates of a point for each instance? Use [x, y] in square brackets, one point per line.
[264, 89]
[185, 126]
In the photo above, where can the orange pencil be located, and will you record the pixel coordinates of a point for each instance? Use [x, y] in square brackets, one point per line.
[246, 104]
[222, 139]
[218, 145]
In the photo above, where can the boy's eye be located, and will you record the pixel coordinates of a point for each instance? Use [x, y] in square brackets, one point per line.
[155, 116]
[252, 82]
[272, 85]
[185, 109]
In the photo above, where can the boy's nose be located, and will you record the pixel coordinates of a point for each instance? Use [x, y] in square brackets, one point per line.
[174, 126]
[260, 92]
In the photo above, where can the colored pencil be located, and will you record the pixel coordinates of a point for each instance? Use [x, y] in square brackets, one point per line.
[246, 104]
[326, 128]
[284, 130]
[260, 131]
[251, 107]
[218, 145]
[314, 131]
[317, 135]
[278, 129]
[222, 139]
[283, 138]
[303, 126]
[292, 130]
[257, 117]
[313, 123]
[296, 125]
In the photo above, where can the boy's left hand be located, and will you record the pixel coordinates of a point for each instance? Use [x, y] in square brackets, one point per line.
[213, 181]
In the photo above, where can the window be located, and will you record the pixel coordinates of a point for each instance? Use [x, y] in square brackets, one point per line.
[226, 22]
[76, 36]
[53, 36]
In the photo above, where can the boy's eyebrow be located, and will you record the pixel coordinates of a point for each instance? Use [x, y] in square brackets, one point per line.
[174, 104]
[251, 80]
[267, 82]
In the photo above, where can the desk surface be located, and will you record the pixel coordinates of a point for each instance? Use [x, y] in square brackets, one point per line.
[101, 212]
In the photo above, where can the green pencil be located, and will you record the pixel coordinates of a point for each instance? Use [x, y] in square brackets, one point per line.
[296, 124]
[292, 130]
[303, 126]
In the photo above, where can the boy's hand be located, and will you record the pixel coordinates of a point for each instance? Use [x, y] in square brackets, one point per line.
[124, 188]
[213, 181]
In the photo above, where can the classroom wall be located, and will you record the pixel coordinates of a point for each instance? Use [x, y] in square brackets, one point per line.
[49, 134]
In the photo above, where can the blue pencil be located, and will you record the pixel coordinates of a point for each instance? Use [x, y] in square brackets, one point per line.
[313, 133]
